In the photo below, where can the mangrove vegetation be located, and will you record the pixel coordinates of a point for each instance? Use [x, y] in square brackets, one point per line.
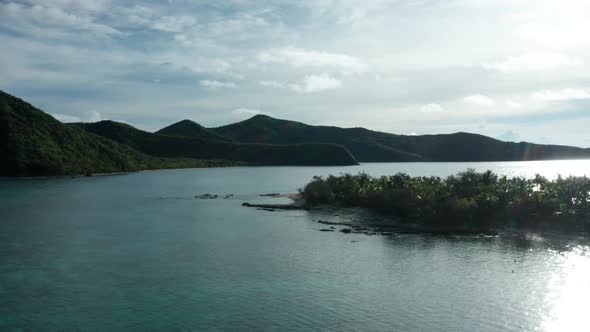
[465, 201]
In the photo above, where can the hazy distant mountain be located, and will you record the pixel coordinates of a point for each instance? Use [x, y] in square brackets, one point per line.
[373, 146]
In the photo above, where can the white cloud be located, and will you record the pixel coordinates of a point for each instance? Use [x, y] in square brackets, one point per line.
[273, 84]
[297, 57]
[509, 136]
[92, 6]
[310, 84]
[174, 23]
[512, 104]
[479, 100]
[540, 42]
[533, 62]
[46, 17]
[563, 35]
[92, 116]
[429, 108]
[217, 84]
[246, 111]
[316, 83]
[561, 95]
[66, 118]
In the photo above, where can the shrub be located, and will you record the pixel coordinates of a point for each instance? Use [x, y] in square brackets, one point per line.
[318, 192]
[468, 198]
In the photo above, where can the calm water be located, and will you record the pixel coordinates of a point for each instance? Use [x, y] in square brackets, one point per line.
[138, 253]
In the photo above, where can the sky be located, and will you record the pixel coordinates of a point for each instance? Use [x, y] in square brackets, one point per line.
[517, 70]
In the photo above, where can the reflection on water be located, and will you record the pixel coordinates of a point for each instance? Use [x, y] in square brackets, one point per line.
[549, 169]
[569, 291]
[138, 252]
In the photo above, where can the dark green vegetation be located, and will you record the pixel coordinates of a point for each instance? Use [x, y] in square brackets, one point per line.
[188, 128]
[466, 201]
[34, 143]
[174, 145]
[374, 146]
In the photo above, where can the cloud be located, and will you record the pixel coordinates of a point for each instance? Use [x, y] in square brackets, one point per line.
[316, 83]
[429, 108]
[310, 84]
[174, 23]
[92, 116]
[479, 100]
[509, 136]
[66, 118]
[87, 6]
[512, 104]
[68, 55]
[37, 18]
[533, 62]
[561, 95]
[562, 35]
[217, 84]
[246, 111]
[273, 84]
[298, 58]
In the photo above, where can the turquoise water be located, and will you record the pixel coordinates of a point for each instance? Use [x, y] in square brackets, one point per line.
[138, 253]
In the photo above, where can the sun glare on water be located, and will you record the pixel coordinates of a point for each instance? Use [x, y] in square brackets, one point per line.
[569, 293]
[549, 169]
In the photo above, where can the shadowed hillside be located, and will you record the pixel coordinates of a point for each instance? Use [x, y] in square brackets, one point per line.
[34, 143]
[374, 146]
[188, 128]
[200, 148]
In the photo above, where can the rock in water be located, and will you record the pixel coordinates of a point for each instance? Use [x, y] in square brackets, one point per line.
[207, 196]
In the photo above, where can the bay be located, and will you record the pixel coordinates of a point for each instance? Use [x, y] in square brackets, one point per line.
[138, 252]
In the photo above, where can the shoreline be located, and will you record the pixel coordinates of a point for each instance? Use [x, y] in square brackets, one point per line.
[398, 227]
[238, 164]
[32, 177]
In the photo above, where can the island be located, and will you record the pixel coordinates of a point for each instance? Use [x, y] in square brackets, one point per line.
[468, 202]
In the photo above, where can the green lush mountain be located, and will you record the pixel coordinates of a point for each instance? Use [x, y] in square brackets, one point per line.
[374, 146]
[188, 128]
[156, 144]
[34, 143]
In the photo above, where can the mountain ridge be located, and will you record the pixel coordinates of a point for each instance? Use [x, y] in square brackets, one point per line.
[376, 146]
[189, 128]
[174, 145]
[34, 143]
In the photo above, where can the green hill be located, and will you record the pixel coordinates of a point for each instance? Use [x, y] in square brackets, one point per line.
[34, 143]
[197, 147]
[374, 146]
[188, 128]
